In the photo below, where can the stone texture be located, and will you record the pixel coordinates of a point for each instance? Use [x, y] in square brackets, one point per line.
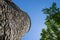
[14, 22]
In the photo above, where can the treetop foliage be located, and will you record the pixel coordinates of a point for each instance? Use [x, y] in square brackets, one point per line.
[52, 32]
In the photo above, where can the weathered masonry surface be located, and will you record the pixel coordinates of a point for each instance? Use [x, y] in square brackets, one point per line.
[14, 22]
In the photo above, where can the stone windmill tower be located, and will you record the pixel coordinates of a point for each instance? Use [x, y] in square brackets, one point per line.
[14, 22]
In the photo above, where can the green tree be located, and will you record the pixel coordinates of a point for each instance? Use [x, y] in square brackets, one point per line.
[52, 32]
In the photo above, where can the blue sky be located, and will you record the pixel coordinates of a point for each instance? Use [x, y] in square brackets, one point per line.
[34, 10]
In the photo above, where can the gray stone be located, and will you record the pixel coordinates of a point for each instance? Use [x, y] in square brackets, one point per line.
[14, 22]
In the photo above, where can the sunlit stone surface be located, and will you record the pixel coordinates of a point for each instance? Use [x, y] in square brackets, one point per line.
[14, 22]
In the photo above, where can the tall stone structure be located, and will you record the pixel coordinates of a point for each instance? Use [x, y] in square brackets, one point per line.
[14, 22]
